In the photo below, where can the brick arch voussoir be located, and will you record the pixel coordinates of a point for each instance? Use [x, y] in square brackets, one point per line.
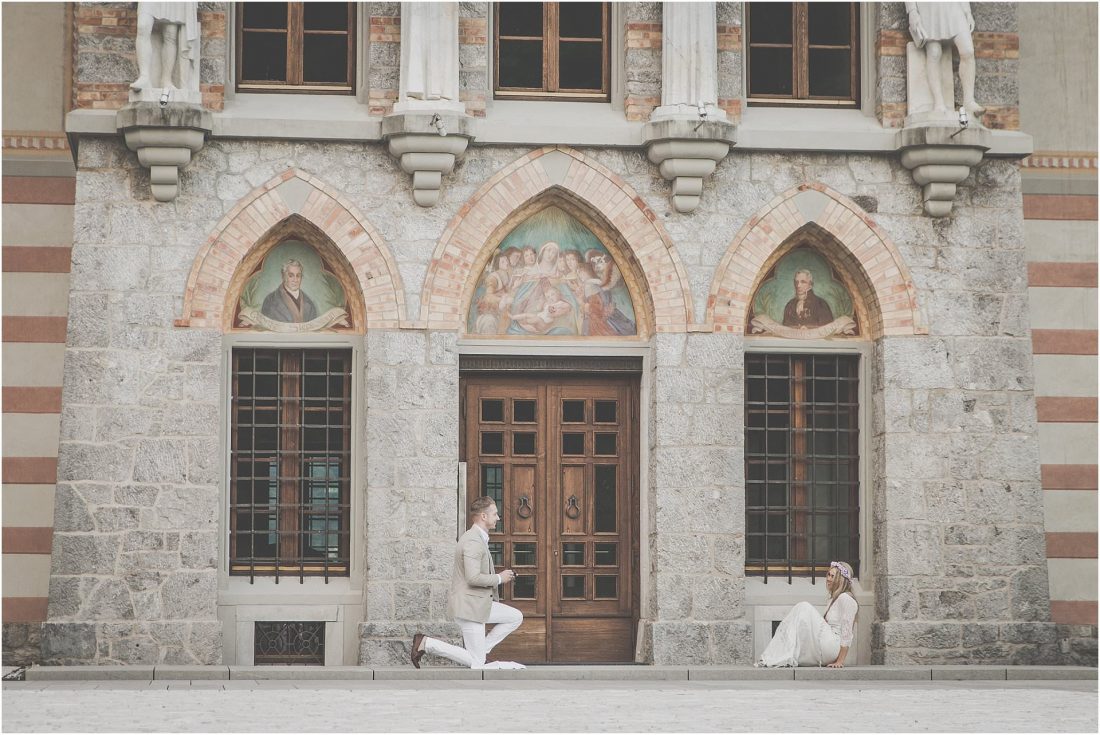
[249, 221]
[467, 241]
[888, 292]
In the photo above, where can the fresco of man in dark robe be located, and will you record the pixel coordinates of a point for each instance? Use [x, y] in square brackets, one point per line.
[806, 310]
[288, 302]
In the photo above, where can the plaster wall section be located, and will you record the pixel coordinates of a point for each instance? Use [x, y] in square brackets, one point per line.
[696, 500]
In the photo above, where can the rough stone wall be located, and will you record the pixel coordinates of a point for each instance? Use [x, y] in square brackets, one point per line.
[412, 470]
[642, 64]
[105, 58]
[730, 59]
[384, 57]
[696, 533]
[473, 57]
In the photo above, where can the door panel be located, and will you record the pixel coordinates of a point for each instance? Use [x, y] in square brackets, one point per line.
[559, 456]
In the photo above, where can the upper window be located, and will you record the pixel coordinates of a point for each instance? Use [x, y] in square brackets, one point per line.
[803, 53]
[296, 47]
[556, 50]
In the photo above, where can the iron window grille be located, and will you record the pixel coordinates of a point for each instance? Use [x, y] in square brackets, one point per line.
[278, 642]
[296, 47]
[552, 51]
[290, 461]
[804, 53]
[801, 463]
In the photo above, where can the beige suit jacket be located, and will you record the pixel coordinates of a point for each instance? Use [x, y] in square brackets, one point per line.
[473, 584]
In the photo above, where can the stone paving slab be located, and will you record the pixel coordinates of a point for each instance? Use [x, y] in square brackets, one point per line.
[301, 673]
[739, 673]
[968, 673]
[162, 671]
[590, 673]
[862, 673]
[1032, 673]
[426, 673]
[89, 673]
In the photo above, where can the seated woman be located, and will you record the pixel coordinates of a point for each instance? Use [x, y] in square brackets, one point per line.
[806, 638]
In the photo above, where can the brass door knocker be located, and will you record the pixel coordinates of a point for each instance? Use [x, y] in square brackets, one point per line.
[524, 509]
[571, 509]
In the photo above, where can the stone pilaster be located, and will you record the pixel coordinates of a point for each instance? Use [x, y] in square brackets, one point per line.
[412, 501]
[696, 528]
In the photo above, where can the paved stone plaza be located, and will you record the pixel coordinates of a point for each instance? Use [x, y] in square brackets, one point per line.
[539, 706]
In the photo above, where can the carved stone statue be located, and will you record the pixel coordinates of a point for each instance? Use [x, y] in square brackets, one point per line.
[932, 25]
[689, 62]
[167, 46]
[429, 57]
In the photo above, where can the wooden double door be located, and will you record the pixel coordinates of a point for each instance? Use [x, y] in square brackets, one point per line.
[559, 456]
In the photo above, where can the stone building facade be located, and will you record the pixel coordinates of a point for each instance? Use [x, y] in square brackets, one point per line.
[944, 506]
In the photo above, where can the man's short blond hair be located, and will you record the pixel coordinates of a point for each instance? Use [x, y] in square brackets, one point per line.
[481, 505]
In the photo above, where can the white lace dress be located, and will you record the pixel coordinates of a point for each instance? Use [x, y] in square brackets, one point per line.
[805, 638]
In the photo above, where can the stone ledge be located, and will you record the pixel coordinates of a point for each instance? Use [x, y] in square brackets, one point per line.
[562, 673]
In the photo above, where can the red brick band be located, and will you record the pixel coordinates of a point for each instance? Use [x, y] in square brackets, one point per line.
[32, 399]
[1059, 206]
[30, 470]
[1071, 545]
[1069, 476]
[35, 328]
[27, 540]
[1073, 612]
[30, 259]
[25, 609]
[1065, 275]
[1065, 409]
[1063, 341]
[39, 190]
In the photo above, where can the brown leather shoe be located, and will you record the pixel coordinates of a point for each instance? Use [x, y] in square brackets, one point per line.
[417, 654]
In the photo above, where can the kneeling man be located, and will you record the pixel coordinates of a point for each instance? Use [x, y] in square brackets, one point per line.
[474, 598]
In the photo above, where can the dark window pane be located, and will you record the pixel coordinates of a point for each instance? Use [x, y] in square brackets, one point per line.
[572, 411]
[492, 442]
[492, 484]
[325, 16]
[572, 555]
[829, 24]
[607, 587]
[523, 442]
[523, 555]
[605, 498]
[325, 59]
[572, 587]
[580, 65]
[264, 57]
[520, 64]
[830, 73]
[492, 409]
[264, 15]
[580, 20]
[572, 444]
[524, 587]
[770, 71]
[606, 443]
[770, 22]
[606, 555]
[521, 19]
[496, 550]
[523, 411]
[606, 411]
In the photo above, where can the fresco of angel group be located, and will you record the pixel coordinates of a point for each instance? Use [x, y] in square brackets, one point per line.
[551, 276]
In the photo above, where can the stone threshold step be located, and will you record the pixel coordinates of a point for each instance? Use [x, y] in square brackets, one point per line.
[561, 673]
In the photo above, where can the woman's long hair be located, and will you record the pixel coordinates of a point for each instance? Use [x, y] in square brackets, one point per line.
[843, 584]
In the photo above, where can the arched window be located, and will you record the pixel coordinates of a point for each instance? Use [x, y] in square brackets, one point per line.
[802, 420]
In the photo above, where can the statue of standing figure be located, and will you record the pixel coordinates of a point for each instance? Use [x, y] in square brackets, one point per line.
[934, 24]
[171, 30]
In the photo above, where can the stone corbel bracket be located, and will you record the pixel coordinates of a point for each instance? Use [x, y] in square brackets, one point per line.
[686, 152]
[426, 145]
[940, 156]
[164, 137]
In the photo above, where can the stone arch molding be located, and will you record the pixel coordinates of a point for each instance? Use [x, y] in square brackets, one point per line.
[292, 194]
[886, 286]
[565, 174]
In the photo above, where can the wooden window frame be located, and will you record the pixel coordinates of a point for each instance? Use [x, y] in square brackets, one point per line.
[295, 34]
[289, 458]
[800, 47]
[551, 39]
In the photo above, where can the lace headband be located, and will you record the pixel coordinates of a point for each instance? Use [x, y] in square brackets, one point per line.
[842, 569]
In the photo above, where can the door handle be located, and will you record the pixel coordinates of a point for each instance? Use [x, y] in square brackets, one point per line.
[524, 509]
[571, 509]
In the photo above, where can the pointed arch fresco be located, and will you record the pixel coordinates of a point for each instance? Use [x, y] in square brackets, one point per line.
[840, 230]
[602, 201]
[293, 204]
